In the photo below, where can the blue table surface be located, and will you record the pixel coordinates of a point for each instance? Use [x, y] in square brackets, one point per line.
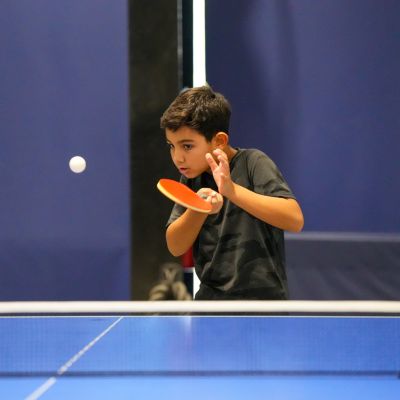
[202, 357]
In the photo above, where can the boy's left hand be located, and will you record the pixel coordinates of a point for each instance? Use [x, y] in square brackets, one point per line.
[212, 197]
[221, 172]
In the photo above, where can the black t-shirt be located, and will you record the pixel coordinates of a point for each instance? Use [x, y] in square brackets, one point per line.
[236, 255]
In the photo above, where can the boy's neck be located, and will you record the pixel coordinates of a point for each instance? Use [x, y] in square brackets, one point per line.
[230, 152]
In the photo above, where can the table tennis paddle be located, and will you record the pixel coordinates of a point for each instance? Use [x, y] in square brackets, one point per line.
[181, 194]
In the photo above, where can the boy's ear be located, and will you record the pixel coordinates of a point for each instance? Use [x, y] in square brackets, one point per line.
[221, 139]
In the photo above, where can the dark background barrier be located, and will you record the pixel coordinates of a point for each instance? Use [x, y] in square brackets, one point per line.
[343, 266]
[155, 72]
[313, 84]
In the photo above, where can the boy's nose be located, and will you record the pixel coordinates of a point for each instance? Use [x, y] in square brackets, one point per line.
[179, 157]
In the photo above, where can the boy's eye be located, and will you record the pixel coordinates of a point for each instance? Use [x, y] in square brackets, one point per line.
[187, 146]
[170, 146]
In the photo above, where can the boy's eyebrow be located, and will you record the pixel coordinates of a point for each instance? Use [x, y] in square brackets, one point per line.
[182, 141]
[185, 140]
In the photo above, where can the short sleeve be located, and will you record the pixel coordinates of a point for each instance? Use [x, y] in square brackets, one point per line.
[266, 177]
[176, 212]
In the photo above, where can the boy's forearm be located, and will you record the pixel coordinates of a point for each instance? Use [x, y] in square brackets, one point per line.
[282, 213]
[182, 233]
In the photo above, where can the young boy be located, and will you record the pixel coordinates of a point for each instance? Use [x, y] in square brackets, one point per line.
[238, 249]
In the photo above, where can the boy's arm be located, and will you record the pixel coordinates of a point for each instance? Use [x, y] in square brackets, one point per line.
[182, 233]
[283, 213]
[280, 212]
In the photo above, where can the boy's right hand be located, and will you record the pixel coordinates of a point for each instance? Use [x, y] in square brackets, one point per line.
[212, 197]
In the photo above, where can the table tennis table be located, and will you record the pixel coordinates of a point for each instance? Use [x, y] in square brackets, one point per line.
[199, 357]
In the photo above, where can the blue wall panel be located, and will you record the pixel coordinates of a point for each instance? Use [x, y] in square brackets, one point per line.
[315, 84]
[63, 92]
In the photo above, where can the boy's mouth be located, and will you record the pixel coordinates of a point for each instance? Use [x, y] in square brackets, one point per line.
[183, 170]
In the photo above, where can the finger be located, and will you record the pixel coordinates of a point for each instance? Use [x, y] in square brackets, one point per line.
[219, 153]
[223, 162]
[204, 191]
[207, 191]
[210, 194]
[211, 161]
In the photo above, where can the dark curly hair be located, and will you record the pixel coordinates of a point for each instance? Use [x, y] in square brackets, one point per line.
[199, 108]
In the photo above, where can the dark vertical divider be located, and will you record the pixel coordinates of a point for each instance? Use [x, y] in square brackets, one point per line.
[187, 43]
[154, 83]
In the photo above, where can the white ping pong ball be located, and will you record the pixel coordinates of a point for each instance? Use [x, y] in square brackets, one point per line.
[77, 164]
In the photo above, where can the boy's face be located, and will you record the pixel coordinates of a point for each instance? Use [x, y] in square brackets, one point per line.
[188, 148]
